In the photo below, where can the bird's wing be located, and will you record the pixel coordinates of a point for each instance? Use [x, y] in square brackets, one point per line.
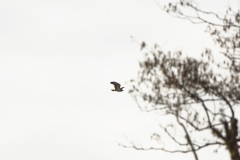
[116, 85]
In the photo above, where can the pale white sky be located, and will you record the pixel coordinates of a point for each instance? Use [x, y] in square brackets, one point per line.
[57, 58]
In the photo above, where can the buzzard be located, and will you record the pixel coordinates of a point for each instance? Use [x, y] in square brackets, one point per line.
[117, 87]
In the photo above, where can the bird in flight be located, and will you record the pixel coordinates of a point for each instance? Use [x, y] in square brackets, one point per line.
[117, 87]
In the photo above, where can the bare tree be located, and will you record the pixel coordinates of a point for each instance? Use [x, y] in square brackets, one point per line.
[203, 95]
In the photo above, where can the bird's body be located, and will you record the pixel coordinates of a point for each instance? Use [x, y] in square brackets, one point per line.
[117, 87]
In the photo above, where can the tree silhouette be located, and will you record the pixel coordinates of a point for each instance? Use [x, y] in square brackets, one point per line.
[202, 94]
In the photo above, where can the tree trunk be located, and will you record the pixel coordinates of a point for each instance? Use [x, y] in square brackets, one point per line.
[234, 152]
[231, 139]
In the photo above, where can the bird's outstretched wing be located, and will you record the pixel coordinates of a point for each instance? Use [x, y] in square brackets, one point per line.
[116, 85]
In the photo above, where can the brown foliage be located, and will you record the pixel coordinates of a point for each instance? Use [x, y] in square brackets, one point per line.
[183, 87]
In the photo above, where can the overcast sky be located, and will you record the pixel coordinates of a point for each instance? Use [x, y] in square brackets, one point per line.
[57, 58]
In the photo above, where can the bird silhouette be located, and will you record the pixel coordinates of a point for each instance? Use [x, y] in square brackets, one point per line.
[117, 87]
